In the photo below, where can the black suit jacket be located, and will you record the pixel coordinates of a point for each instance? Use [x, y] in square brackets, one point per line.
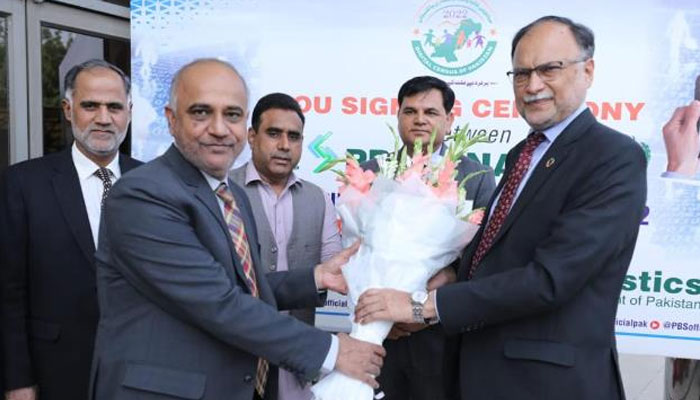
[537, 319]
[176, 316]
[49, 292]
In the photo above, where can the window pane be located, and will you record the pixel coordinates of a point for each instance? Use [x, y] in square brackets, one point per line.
[4, 97]
[60, 51]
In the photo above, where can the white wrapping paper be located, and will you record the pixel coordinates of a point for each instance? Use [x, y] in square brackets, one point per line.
[408, 234]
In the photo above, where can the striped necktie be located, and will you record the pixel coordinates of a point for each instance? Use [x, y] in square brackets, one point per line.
[234, 221]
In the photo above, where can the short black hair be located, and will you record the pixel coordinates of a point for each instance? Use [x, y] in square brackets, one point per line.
[279, 101]
[72, 75]
[583, 34]
[421, 84]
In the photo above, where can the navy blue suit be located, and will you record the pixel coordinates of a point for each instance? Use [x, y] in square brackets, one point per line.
[49, 291]
[537, 319]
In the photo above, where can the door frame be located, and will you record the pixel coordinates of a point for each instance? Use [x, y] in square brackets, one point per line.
[65, 17]
[18, 137]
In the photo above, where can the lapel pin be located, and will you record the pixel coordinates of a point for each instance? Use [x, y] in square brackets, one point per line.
[550, 162]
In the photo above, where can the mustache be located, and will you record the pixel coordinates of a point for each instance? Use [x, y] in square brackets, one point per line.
[102, 129]
[538, 96]
[282, 156]
[216, 144]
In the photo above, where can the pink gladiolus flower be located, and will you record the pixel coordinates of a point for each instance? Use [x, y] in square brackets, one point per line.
[445, 174]
[418, 163]
[446, 191]
[446, 187]
[356, 177]
[476, 216]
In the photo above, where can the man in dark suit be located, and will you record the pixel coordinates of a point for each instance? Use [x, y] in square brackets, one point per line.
[538, 288]
[51, 208]
[187, 309]
[421, 362]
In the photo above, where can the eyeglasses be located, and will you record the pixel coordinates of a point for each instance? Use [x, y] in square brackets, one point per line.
[547, 71]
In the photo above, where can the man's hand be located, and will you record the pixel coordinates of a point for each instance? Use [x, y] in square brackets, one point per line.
[399, 330]
[442, 278]
[384, 305]
[328, 275]
[27, 393]
[360, 360]
[681, 140]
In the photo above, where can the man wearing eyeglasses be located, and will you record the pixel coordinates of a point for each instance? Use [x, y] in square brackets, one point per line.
[537, 290]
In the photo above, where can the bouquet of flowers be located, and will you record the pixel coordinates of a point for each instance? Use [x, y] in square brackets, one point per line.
[413, 220]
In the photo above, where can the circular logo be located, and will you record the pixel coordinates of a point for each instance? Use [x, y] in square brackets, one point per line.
[654, 325]
[454, 37]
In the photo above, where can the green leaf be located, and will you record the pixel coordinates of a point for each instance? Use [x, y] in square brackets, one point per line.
[470, 176]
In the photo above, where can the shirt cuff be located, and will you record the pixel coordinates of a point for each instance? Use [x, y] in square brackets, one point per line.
[331, 357]
[676, 175]
[433, 294]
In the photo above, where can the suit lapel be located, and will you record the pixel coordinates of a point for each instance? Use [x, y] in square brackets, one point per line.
[202, 192]
[69, 195]
[127, 163]
[244, 206]
[557, 152]
[262, 225]
[468, 253]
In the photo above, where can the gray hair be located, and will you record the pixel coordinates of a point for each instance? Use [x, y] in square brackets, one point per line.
[72, 75]
[175, 82]
[583, 34]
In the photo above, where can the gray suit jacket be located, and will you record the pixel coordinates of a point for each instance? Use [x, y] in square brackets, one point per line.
[177, 319]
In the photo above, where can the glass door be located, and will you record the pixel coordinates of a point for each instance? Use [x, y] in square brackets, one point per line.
[59, 37]
[13, 89]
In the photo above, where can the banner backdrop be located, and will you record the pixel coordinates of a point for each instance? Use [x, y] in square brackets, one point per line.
[345, 60]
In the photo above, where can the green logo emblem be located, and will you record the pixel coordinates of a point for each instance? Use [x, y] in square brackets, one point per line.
[454, 37]
[323, 152]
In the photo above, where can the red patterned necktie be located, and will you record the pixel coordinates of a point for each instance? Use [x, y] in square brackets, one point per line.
[234, 221]
[506, 199]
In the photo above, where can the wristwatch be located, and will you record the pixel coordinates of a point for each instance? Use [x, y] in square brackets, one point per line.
[418, 299]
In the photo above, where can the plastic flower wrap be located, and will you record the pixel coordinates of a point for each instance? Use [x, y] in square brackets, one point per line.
[413, 221]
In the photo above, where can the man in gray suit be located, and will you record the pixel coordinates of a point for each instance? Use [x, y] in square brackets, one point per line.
[421, 361]
[187, 310]
[295, 219]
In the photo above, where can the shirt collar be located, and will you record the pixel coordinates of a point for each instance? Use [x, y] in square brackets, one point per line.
[214, 183]
[438, 154]
[86, 167]
[252, 175]
[553, 132]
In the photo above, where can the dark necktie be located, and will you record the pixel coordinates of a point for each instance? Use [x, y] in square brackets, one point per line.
[234, 221]
[105, 176]
[505, 201]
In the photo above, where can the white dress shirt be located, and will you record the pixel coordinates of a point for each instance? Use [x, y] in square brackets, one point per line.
[92, 186]
[550, 135]
[332, 356]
